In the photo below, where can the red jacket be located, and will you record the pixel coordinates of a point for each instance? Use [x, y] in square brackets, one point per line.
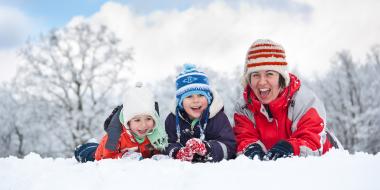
[126, 143]
[297, 117]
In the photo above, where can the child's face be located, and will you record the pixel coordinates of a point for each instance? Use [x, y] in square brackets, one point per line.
[194, 105]
[141, 125]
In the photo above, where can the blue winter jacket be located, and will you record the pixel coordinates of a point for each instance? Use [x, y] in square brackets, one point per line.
[218, 133]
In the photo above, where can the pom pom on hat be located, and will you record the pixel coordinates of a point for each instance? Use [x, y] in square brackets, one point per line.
[265, 54]
[191, 81]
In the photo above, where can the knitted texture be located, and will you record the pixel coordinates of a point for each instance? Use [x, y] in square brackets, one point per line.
[265, 54]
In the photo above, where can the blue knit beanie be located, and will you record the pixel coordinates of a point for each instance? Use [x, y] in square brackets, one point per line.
[189, 82]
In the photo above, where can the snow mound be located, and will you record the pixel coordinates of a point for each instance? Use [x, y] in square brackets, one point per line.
[336, 170]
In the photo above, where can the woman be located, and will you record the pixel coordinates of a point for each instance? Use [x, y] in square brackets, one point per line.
[278, 116]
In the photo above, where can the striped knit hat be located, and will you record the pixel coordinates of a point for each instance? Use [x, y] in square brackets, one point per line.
[265, 54]
[189, 82]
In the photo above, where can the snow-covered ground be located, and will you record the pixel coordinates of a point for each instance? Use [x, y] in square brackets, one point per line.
[335, 170]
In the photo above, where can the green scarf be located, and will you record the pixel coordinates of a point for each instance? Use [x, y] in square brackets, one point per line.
[158, 137]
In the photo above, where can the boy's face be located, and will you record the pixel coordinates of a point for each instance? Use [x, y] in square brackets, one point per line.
[141, 125]
[265, 85]
[194, 105]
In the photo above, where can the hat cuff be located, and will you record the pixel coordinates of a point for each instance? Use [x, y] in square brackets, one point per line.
[204, 93]
[128, 116]
[281, 69]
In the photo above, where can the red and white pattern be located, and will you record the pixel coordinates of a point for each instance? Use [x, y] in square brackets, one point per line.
[197, 146]
[185, 154]
[266, 55]
[193, 146]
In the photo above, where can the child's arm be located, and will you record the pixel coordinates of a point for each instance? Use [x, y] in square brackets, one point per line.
[221, 139]
[170, 128]
[113, 128]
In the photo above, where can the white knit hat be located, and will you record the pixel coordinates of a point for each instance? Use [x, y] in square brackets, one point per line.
[265, 54]
[137, 101]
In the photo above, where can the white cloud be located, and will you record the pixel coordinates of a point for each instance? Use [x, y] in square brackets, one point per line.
[219, 35]
[15, 26]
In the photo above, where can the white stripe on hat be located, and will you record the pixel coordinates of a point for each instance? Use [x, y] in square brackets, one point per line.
[265, 59]
[191, 73]
[193, 86]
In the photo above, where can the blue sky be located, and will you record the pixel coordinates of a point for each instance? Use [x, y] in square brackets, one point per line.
[58, 13]
[40, 16]
[54, 14]
[43, 15]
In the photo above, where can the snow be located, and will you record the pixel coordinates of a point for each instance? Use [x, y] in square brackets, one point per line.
[336, 170]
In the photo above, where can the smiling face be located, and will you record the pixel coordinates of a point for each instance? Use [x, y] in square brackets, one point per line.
[194, 105]
[265, 85]
[141, 125]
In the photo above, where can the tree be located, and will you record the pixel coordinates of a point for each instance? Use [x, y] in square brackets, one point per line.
[349, 94]
[370, 72]
[24, 126]
[75, 69]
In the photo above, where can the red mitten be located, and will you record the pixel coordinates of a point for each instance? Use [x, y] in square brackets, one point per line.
[196, 146]
[184, 154]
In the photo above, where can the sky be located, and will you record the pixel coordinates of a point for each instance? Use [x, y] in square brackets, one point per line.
[208, 33]
[335, 170]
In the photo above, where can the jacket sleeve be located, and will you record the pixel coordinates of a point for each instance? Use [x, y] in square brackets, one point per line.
[170, 128]
[102, 152]
[221, 138]
[245, 129]
[308, 126]
[113, 128]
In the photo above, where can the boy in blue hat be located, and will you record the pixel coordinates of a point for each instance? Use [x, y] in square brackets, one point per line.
[198, 129]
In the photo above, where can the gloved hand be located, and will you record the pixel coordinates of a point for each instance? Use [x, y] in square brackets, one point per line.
[197, 146]
[107, 122]
[185, 154]
[113, 128]
[281, 149]
[86, 152]
[254, 150]
[132, 156]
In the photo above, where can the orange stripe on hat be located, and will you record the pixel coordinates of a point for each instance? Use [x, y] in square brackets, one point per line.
[265, 63]
[264, 44]
[265, 56]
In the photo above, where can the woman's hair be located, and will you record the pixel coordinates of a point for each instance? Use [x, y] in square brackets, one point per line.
[281, 82]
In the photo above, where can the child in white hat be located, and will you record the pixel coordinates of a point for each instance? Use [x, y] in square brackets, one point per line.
[141, 134]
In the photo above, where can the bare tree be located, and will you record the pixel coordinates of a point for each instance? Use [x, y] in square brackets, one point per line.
[75, 69]
[349, 92]
[24, 123]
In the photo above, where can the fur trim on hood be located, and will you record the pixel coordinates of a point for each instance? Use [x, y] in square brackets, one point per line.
[215, 107]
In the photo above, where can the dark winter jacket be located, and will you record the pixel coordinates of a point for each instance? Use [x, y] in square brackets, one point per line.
[218, 132]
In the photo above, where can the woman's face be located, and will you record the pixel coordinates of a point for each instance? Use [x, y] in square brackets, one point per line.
[141, 125]
[265, 85]
[194, 105]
